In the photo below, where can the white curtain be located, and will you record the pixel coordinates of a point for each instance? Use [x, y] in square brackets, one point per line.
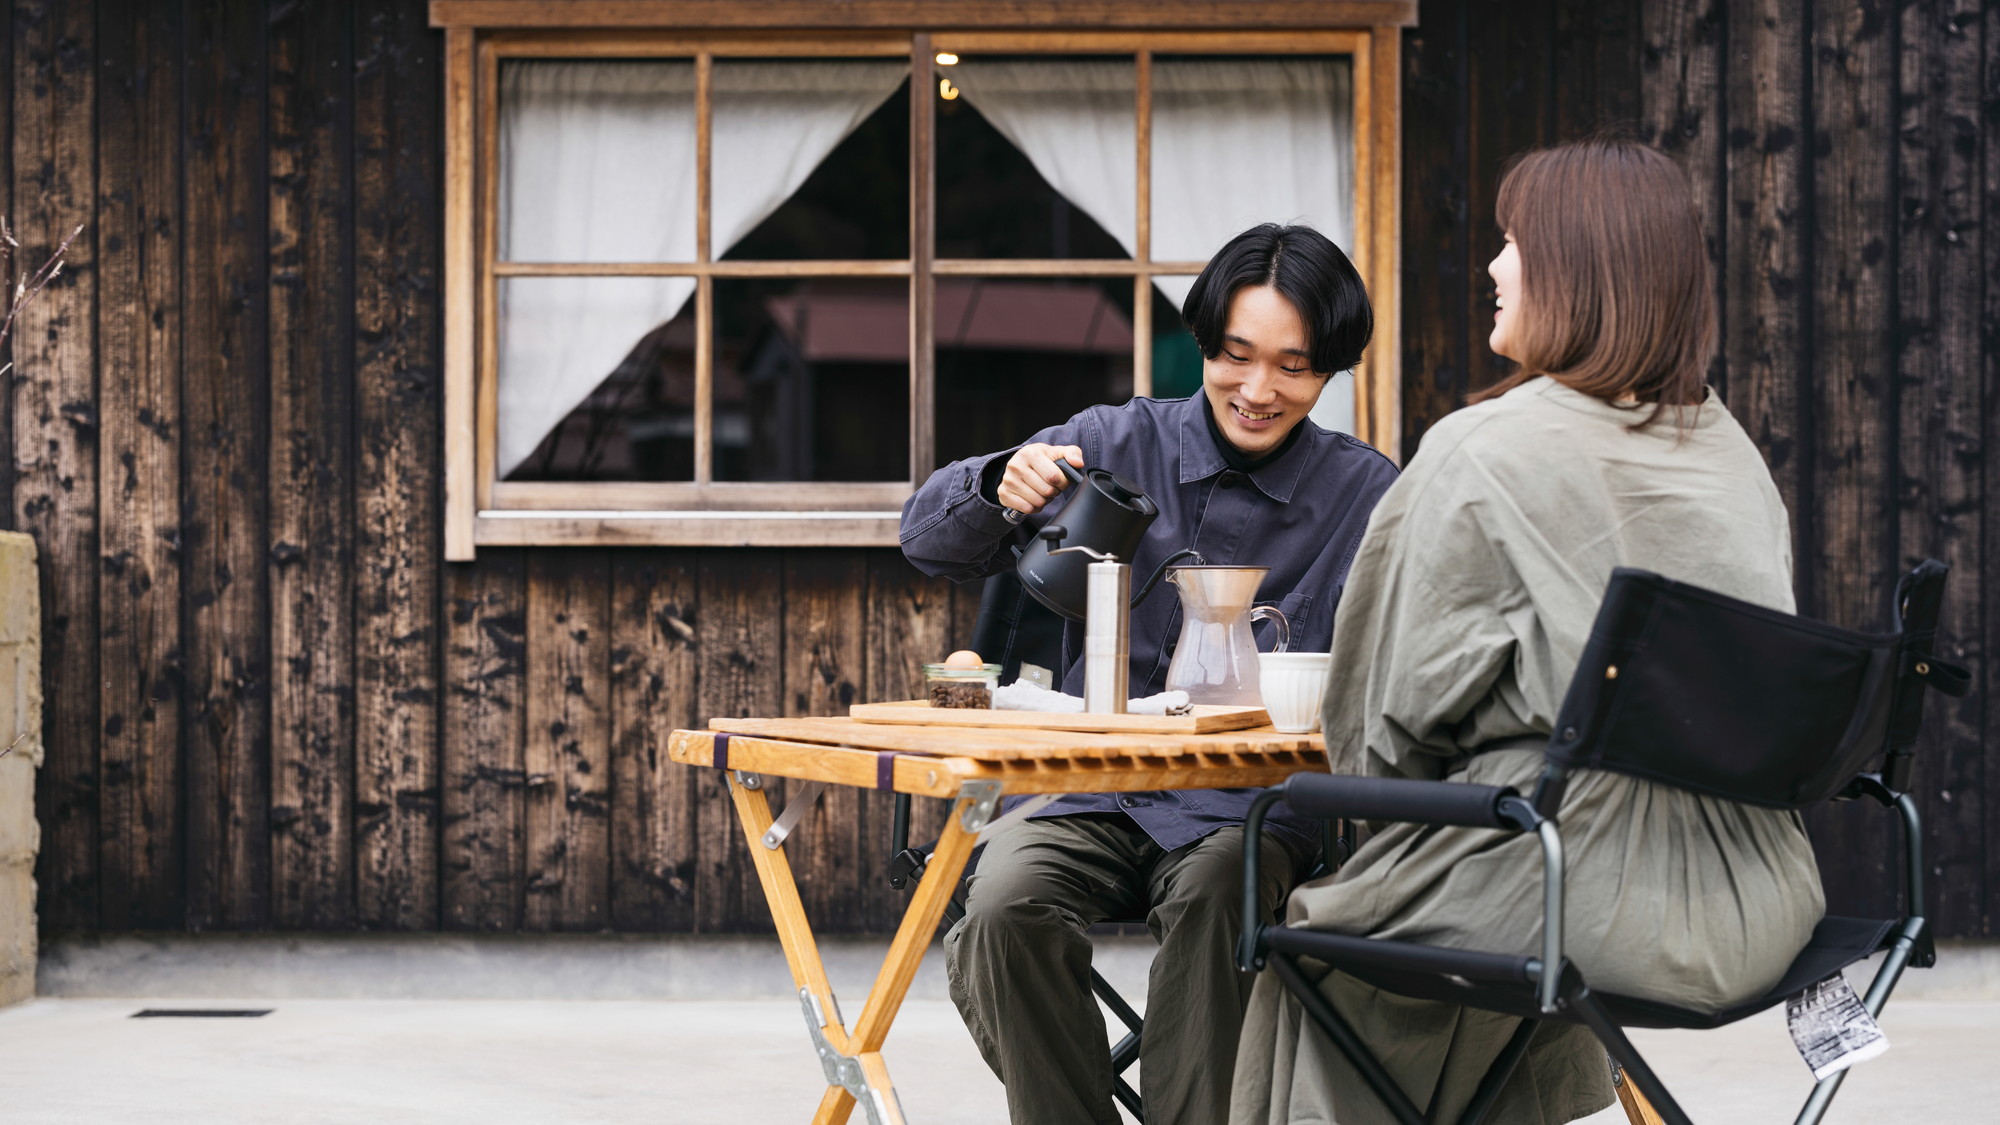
[1236, 142]
[597, 165]
[1075, 120]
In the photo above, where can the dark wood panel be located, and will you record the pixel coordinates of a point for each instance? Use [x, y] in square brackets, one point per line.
[310, 59]
[225, 505]
[485, 661]
[1596, 66]
[1435, 251]
[139, 460]
[55, 439]
[138, 340]
[398, 420]
[1510, 97]
[740, 648]
[10, 60]
[1940, 455]
[567, 754]
[653, 662]
[1764, 269]
[910, 620]
[1985, 587]
[835, 855]
[1848, 379]
[1682, 110]
[229, 450]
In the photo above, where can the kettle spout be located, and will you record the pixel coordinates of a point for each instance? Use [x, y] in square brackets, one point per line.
[1177, 556]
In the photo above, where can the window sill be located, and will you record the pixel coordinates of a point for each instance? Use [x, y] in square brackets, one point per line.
[610, 528]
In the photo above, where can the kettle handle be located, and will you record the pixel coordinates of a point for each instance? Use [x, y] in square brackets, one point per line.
[1266, 612]
[1074, 474]
[1161, 572]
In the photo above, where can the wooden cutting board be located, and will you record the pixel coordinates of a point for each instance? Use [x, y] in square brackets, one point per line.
[1205, 718]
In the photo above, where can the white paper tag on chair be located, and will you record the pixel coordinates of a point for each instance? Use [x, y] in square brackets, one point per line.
[1831, 1028]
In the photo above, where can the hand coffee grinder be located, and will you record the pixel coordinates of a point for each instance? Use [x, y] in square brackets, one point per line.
[1107, 620]
[1107, 626]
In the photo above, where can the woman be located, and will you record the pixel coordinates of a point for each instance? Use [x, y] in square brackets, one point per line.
[1466, 612]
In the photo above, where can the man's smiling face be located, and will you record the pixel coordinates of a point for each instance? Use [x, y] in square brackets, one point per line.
[1260, 385]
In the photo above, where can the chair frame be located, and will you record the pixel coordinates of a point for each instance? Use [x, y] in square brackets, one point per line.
[1559, 991]
[906, 868]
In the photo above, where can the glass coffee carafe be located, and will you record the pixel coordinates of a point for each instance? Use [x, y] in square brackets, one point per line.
[1215, 660]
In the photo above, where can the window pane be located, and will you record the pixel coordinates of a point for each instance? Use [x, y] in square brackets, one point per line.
[1176, 357]
[1014, 356]
[1037, 158]
[1290, 119]
[812, 159]
[812, 379]
[597, 161]
[609, 364]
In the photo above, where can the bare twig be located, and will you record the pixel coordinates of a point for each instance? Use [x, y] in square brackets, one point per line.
[26, 289]
[20, 294]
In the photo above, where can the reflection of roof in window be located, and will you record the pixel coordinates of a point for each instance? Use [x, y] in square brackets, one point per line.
[971, 314]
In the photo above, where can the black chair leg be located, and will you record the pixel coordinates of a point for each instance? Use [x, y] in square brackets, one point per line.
[1123, 1055]
[1593, 1016]
[1496, 1075]
[1129, 1098]
[899, 824]
[1350, 1044]
[1116, 1003]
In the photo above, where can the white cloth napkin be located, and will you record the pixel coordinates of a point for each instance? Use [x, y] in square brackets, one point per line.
[1023, 696]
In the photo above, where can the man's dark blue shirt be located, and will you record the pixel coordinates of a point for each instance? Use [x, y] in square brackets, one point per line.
[1301, 513]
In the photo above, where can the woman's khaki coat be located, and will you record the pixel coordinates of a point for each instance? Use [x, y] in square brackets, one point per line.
[1465, 613]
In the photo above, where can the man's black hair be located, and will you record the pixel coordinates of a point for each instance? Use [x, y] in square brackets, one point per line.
[1309, 270]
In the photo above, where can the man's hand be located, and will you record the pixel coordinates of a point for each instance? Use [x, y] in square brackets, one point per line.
[1033, 478]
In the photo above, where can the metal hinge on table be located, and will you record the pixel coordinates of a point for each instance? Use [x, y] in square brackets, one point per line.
[982, 797]
[796, 808]
[978, 818]
[845, 1072]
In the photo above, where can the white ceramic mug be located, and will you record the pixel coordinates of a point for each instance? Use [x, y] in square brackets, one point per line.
[1294, 683]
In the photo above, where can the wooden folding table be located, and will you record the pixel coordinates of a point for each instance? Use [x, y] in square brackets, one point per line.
[974, 768]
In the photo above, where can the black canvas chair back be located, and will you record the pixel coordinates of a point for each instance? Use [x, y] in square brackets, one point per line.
[1708, 693]
[1688, 688]
[1013, 628]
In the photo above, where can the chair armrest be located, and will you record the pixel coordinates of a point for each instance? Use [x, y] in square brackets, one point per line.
[1328, 795]
[1422, 802]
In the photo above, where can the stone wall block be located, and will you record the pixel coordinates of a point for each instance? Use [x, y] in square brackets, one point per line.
[20, 755]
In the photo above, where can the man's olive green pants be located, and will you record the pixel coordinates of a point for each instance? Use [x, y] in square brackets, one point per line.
[1019, 964]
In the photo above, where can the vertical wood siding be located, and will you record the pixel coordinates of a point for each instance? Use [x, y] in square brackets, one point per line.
[273, 705]
[1843, 157]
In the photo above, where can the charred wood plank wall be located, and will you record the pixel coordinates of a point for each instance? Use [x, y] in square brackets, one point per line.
[271, 704]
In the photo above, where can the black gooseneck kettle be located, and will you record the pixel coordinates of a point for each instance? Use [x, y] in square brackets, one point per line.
[1108, 514]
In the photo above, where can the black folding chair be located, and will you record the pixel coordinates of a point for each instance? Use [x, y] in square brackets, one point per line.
[1012, 627]
[906, 868]
[1683, 687]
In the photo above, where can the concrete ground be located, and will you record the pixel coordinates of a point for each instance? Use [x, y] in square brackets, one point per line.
[78, 1057]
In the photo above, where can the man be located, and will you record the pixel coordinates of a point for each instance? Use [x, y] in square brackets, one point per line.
[1242, 476]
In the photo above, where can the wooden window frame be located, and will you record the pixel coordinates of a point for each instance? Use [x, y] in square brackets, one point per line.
[481, 510]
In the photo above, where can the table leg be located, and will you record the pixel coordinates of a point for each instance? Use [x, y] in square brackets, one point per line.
[899, 968]
[920, 922]
[795, 934]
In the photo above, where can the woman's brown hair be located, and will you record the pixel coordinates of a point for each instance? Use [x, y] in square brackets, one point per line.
[1617, 295]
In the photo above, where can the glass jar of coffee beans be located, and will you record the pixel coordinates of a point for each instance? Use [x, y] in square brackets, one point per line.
[962, 681]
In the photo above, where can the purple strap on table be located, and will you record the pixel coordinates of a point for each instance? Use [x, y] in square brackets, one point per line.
[721, 759]
[885, 770]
